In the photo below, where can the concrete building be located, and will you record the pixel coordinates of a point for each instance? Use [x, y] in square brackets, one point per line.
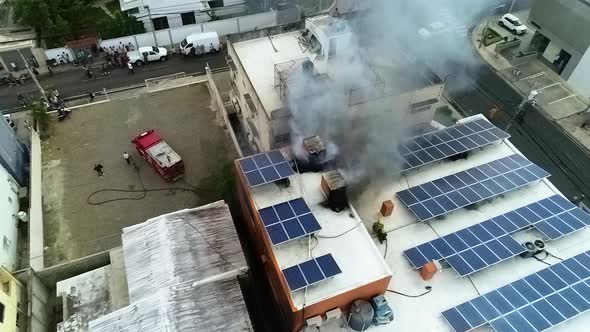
[562, 40]
[173, 13]
[12, 303]
[421, 280]
[13, 176]
[271, 75]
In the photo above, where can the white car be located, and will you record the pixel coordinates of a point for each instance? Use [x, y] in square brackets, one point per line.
[513, 24]
[147, 54]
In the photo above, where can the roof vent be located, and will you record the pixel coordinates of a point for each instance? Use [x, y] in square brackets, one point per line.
[334, 188]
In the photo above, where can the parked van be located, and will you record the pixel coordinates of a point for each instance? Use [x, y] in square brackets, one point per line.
[200, 43]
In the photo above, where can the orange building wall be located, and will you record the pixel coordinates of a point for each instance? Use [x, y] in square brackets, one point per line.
[282, 294]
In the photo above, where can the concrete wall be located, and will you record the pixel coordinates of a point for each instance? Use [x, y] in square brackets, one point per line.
[567, 20]
[39, 308]
[51, 275]
[580, 78]
[36, 252]
[54, 53]
[8, 221]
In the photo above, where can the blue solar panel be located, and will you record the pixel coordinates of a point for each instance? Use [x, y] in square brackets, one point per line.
[474, 185]
[288, 221]
[491, 241]
[534, 303]
[310, 272]
[265, 167]
[434, 146]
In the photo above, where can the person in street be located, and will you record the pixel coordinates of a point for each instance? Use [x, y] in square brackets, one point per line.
[13, 65]
[127, 157]
[130, 66]
[98, 168]
[91, 96]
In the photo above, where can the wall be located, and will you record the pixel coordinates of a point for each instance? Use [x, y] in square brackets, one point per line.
[39, 309]
[8, 220]
[580, 78]
[173, 36]
[56, 52]
[13, 155]
[36, 252]
[11, 291]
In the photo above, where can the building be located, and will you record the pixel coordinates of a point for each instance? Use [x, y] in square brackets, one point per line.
[174, 13]
[12, 302]
[468, 215]
[564, 46]
[270, 76]
[13, 176]
[182, 266]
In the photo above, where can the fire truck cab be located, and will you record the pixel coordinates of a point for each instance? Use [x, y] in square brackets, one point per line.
[159, 155]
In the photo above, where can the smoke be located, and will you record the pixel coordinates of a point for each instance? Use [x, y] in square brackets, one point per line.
[360, 108]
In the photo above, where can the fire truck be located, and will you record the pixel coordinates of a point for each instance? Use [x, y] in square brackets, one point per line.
[159, 155]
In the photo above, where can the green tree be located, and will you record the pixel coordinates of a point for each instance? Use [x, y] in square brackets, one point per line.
[40, 117]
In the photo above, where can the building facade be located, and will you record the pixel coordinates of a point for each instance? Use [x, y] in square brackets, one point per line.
[564, 46]
[159, 15]
[12, 310]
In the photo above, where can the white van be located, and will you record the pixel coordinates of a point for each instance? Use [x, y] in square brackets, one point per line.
[200, 43]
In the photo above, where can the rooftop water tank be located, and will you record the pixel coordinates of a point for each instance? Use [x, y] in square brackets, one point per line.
[360, 315]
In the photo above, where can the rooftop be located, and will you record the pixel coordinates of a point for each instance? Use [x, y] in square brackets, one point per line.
[355, 252]
[448, 289]
[260, 69]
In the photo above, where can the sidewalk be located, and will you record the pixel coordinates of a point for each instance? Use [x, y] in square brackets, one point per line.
[557, 101]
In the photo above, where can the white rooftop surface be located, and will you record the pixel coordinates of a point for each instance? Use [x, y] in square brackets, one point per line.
[164, 154]
[448, 289]
[360, 261]
[258, 58]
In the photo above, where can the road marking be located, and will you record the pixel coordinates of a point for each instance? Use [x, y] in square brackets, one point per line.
[548, 86]
[561, 99]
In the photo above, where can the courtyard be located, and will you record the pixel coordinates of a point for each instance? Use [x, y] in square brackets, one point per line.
[77, 224]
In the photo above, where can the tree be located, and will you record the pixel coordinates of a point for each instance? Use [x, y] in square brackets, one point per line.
[40, 117]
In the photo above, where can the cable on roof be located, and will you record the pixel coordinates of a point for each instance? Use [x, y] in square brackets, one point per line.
[473, 284]
[552, 255]
[341, 234]
[428, 290]
[386, 247]
[542, 260]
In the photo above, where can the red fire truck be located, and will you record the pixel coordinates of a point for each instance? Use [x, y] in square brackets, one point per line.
[160, 155]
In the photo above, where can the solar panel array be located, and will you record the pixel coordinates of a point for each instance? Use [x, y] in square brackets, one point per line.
[265, 167]
[311, 272]
[476, 184]
[449, 142]
[535, 303]
[288, 221]
[474, 248]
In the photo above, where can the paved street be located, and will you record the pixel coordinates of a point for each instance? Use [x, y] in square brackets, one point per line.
[72, 83]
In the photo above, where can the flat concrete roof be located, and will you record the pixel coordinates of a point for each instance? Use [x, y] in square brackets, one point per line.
[356, 254]
[448, 288]
[258, 57]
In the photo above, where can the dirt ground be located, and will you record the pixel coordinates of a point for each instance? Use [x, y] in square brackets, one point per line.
[185, 117]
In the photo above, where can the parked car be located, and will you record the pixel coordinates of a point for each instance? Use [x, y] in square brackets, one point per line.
[513, 24]
[147, 54]
[200, 43]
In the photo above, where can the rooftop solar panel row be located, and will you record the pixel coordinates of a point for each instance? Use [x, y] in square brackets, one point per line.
[490, 241]
[534, 303]
[311, 272]
[449, 142]
[288, 221]
[441, 196]
[265, 168]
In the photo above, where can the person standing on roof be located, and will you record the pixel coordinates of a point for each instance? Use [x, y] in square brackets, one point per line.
[127, 158]
[98, 168]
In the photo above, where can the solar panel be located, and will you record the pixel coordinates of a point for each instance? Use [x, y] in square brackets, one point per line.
[265, 167]
[534, 303]
[288, 221]
[476, 184]
[448, 142]
[311, 272]
[490, 241]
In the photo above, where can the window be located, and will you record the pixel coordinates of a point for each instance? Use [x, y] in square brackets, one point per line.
[160, 23]
[188, 18]
[6, 287]
[282, 140]
[133, 11]
[155, 49]
[215, 3]
[17, 318]
[1, 312]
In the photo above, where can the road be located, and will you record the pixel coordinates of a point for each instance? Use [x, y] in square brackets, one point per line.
[72, 83]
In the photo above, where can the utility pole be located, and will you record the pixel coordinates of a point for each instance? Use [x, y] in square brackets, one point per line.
[152, 23]
[530, 99]
[32, 75]
[511, 6]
